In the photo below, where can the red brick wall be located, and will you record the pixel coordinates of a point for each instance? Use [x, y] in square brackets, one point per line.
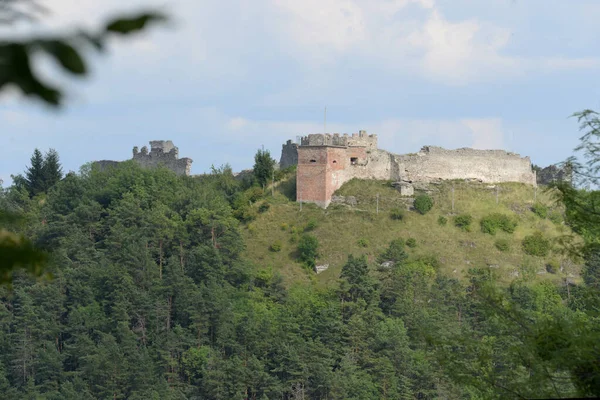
[311, 177]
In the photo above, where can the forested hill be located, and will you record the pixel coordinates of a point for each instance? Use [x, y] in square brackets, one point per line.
[155, 294]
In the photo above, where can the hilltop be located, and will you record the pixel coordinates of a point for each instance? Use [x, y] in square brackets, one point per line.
[358, 229]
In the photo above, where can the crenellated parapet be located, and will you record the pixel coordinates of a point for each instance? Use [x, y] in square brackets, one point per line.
[360, 139]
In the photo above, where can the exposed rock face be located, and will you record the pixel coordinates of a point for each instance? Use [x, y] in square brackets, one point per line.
[553, 174]
[326, 161]
[162, 152]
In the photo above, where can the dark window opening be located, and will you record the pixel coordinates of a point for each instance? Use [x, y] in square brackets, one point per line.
[313, 161]
[335, 161]
[353, 160]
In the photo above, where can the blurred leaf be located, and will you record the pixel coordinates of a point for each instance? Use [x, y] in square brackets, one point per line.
[65, 54]
[126, 26]
[18, 252]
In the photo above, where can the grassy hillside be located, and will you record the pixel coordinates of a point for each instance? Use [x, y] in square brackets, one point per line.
[343, 230]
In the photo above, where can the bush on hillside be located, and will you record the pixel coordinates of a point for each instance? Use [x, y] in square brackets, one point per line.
[491, 223]
[397, 214]
[362, 242]
[264, 207]
[308, 247]
[442, 221]
[411, 242]
[284, 226]
[311, 225]
[536, 245]
[395, 252]
[275, 246]
[540, 210]
[556, 217]
[423, 203]
[463, 222]
[502, 245]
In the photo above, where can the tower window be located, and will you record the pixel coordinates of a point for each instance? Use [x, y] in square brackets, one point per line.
[313, 161]
[335, 161]
[353, 160]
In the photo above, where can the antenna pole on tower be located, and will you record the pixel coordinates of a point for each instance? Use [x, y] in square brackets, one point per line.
[325, 121]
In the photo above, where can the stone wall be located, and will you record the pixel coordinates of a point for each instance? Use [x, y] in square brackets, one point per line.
[492, 166]
[326, 162]
[289, 155]
[360, 139]
[162, 152]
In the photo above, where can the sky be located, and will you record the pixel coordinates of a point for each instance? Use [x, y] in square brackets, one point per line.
[225, 78]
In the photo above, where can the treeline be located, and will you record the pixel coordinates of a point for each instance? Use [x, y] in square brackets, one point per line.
[150, 297]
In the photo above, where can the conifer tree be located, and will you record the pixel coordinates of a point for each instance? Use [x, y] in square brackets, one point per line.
[52, 170]
[34, 176]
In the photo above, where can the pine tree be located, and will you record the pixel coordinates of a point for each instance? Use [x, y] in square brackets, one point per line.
[52, 170]
[34, 176]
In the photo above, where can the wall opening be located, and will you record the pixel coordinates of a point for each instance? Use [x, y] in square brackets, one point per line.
[353, 160]
[313, 161]
[335, 161]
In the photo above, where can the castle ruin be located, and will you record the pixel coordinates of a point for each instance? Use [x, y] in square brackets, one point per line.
[162, 153]
[326, 161]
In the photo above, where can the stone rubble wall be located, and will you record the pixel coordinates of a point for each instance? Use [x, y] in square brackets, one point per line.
[289, 155]
[490, 166]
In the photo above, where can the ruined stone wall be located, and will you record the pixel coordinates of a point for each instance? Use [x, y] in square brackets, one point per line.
[163, 152]
[360, 139]
[289, 155]
[436, 163]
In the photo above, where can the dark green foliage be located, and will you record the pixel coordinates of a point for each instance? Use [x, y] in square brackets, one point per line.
[502, 245]
[362, 242]
[423, 203]
[442, 221]
[308, 247]
[275, 247]
[556, 217]
[541, 210]
[411, 242]
[463, 221]
[397, 214]
[311, 225]
[34, 176]
[493, 222]
[553, 267]
[395, 253]
[264, 207]
[263, 167]
[536, 245]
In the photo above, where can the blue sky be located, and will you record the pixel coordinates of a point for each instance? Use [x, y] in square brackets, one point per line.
[229, 76]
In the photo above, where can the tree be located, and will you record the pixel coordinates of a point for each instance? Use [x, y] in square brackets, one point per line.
[52, 170]
[308, 249]
[263, 167]
[16, 56]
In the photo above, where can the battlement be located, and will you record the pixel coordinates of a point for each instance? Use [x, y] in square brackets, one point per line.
[360, 139]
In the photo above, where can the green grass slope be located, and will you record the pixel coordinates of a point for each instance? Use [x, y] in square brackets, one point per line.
[343, 230]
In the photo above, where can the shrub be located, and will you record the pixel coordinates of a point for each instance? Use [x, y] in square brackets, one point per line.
[442, 221]
[311, 225]
[397, 214]
[275, 246]
[463, 222]
[284, 226]
[395, 252]
[553, 266]
[423, 203]
[264, 207]
[502, 244]
[540, 210]
[536, 245]
[251, 228]
[362, 242]
[254, 193]
[411, 242]
[308, 250]
[491, 223]
[556, 217]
